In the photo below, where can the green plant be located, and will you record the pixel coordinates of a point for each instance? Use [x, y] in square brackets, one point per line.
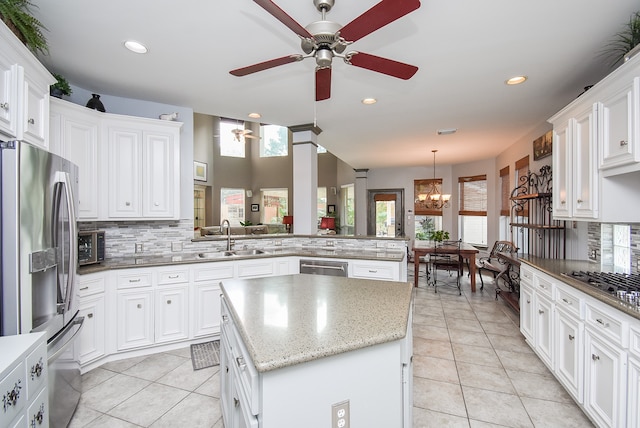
[62, 85]
[246, 223]
[625, 40]
[17, 15]
[439, 235]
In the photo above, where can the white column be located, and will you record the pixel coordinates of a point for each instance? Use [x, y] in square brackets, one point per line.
[360, 194]
[305, 179]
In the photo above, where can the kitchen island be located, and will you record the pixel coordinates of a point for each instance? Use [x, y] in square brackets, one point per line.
[295, 346]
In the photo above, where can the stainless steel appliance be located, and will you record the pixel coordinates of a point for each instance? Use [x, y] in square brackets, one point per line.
[90, 247]
[324, 267]
[625, 287]
[39, 263]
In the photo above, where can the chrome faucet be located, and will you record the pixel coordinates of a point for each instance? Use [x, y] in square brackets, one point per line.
[228, 233]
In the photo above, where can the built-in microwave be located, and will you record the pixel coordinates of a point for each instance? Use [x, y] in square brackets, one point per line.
[90, 247]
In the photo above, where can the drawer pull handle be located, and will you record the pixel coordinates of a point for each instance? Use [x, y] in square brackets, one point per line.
[90, 315]
[241, 363]
[31, 121]
[225, 319]
[236, 402]
[373, 271]
[595, 357]
[540, 311]
[174, 276]
[84, 288]
[168, 302]
[579, 201]
[623, 143]
[599, 321]
[4, 106]
[139, 306]
[36, 370]
[135, 280]
[567, 302]
[38, 417]
[571, 337]
[563, 202]
[11, 397]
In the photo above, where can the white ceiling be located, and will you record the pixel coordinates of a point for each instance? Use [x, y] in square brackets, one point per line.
[465, 50]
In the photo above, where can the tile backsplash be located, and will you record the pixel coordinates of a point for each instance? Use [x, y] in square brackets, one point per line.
[600, 242]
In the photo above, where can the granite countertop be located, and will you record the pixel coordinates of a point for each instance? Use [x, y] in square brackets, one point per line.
[556, 268]
[293, 319]
[185, 258]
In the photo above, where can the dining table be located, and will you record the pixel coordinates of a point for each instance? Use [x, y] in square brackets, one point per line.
[467, 251]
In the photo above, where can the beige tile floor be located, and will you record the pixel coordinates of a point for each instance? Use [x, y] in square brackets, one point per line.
[472, 369]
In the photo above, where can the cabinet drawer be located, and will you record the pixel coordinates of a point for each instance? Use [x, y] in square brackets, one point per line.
[544, 286]
[13, 388]
[173, 277]
[88, 285]
[38, 412]
[372, 271]
[213, 271]
[36, 370]
[134, 280]
[256, 268]
[526, 274]
[606, 324]
[247, 374]
[634, 342]
[568, 301]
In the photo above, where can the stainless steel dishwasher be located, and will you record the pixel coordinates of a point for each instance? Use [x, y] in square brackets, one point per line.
[324, 267]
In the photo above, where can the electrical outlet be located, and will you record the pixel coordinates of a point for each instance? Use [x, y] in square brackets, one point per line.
[278, 243]
[331, 243]
[139, 247]
[176, 247]
[340, 415]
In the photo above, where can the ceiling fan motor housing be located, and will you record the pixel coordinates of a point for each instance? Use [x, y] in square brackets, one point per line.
[325, 5]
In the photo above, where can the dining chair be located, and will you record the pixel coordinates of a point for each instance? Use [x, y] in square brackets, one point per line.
[446, 257]
[492, 263]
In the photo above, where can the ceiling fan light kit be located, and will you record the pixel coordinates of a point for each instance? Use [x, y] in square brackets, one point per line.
[324, 40]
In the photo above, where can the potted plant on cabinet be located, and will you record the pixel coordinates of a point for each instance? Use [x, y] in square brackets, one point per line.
[626, 42]
[16, 14]
[60, 88]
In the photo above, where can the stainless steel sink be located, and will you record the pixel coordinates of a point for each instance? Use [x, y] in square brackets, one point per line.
[216, 255]
[248, 252]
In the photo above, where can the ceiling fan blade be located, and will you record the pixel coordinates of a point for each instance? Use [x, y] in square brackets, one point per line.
[266, 65]
[323, 83]
[283, 17]
[377, 17]
[382, 65]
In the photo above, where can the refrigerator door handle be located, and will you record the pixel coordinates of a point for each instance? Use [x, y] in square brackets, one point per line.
[63, 177]
[55, 347]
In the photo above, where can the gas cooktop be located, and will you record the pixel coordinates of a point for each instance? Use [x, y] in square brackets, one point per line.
[625, 287]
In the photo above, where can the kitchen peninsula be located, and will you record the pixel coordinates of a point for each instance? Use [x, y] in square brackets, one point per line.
[294, 346]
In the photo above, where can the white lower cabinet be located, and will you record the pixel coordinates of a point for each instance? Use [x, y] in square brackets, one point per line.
[171, 314]
[543, 329]
[605, 381]
[91, 343]
[526, 310]
[633, 392]
[369, 269]
[569, 353]
[135, 319]
[206, 316]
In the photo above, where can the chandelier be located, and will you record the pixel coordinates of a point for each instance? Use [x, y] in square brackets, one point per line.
[433, 199]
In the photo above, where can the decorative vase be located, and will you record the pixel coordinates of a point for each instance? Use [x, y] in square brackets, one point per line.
[56, 92]
[95, 103]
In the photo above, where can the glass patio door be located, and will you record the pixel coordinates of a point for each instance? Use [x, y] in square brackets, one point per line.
[385, 213]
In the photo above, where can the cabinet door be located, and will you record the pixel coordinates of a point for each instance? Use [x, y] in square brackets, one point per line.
[92, 335]
[171, 316]
[562, 167]
[569, 353]
[526, 311]
[161, 175]
[226, 381]
[206, 313]
[135, 319]
[543, 329]
[80, 146]
[8, 97]
[36, 113]
[617, 143]
[605, 381]
[585, 172]
[124, 163]
[633, 393]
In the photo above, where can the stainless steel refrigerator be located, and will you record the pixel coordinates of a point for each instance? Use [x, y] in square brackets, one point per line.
[39, 263]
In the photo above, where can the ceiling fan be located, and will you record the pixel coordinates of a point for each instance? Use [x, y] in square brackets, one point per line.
[246, 133]
[324, 40]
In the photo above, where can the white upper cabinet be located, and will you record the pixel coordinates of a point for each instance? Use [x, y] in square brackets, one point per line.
[617, 134]
[24, 92]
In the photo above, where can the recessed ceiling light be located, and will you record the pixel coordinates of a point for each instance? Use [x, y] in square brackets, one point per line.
[136, 47]
[516, 80]
[369, 101]
[447, 131]
[255, 115]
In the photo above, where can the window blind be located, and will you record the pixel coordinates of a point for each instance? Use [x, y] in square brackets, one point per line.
[473, 195]
[505, 185]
